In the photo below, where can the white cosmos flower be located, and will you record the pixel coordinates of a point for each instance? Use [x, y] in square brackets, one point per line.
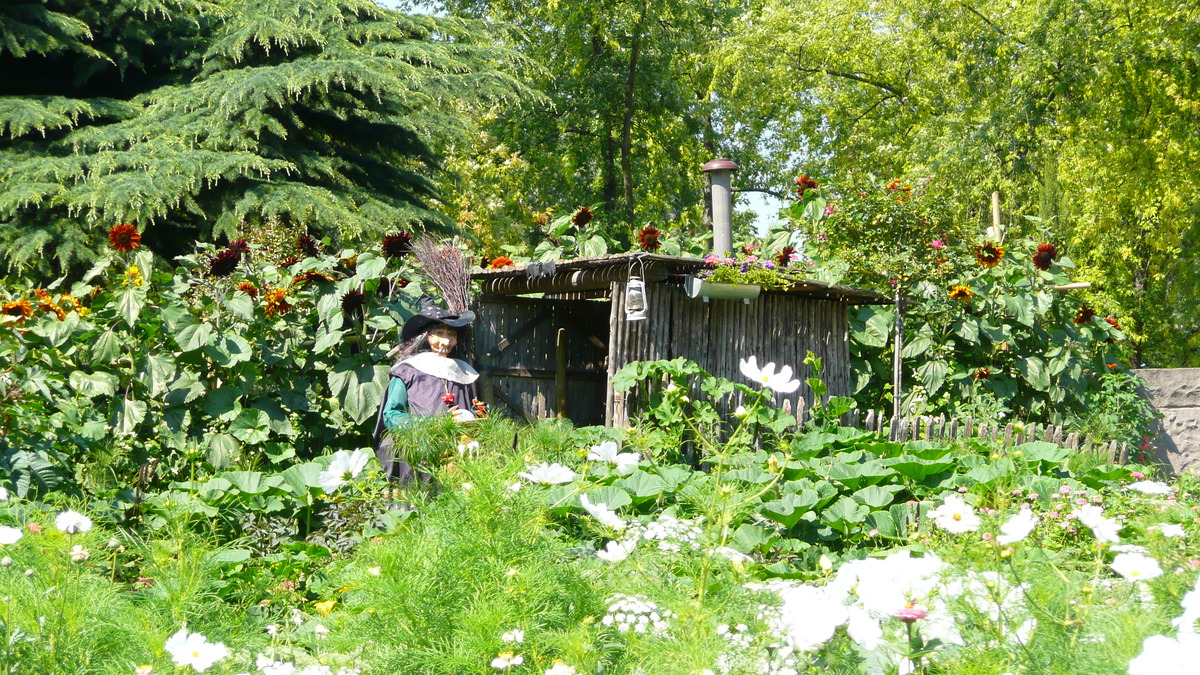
[3, 494]
[548, 474]
[1129, 548]
[602, 513]
[507, 660]
[810, 615]
[766, 376]
[560, 668]
[955, 515]
[193, 649]
[1162, 655]
[1017, 528]
[345, 466]
[625, 462]
[514, 635]
[72, 522]
[9, 535]
[1104, 529]
[1168, 529]
[616, 551]
[1186, 622]
[269, 666]
[1136, 567]
[1150, 487]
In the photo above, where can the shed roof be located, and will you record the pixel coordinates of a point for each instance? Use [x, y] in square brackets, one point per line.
[592, 273]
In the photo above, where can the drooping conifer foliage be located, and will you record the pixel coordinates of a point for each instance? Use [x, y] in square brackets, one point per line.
[188, 117]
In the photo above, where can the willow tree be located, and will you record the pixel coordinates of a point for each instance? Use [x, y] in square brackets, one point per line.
[189, 117]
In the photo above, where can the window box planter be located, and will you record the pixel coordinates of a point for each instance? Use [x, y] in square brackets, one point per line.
[695, 287]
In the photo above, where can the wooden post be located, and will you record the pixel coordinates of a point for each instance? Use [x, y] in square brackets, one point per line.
[560, 373]
[996, 216]
[898, 344]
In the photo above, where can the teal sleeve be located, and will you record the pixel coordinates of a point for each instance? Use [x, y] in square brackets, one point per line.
[395, 411]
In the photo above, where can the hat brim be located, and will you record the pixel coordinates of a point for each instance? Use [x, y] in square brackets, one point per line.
[422, 322]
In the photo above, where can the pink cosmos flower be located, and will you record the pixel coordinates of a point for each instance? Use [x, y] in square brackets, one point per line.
[937, 244]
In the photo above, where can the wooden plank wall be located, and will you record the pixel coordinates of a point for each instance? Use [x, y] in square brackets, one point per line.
[776, 327]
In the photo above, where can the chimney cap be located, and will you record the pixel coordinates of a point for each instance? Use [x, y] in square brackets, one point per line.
[722, 164]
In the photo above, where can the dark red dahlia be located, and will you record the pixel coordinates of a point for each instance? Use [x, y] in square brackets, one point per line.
[240, 247]
[224, 263]
[1046, 253]
[582, 217]
[648, 238]
[1084, 315]
[308, 246]
[397, 245]
[784, 255]
[352, 303]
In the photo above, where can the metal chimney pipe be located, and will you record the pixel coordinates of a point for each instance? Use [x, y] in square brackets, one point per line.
[719, 172]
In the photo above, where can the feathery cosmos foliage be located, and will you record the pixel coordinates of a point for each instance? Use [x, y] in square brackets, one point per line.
[189, 117]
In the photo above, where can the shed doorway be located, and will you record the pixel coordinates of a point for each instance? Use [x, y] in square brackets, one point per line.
[544, 357]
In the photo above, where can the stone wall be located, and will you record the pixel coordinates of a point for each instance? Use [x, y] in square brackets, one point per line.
[1175, 392]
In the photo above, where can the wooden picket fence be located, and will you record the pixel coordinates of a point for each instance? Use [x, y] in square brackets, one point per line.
[940, 428]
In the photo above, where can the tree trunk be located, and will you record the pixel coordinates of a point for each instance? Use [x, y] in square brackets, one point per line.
[627, 116]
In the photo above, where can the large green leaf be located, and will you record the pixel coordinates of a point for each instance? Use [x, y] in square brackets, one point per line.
[611, 497]
[844, 513]
[1035, 373]
[642, 486]
[933, 375]
[129, 304]
[358, 387]
[156, 373]
[877, 496]
[92, 385]
[229, 350]
[191, 335]
[251, 426]
[918, 469]
[875, 328]
[303, 480]
[128, 415]
[107, 347]
[788, 509]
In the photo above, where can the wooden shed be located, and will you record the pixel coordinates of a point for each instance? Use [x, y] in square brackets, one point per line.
[550, 336]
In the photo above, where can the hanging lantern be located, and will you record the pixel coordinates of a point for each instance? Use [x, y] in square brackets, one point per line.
[635, 299]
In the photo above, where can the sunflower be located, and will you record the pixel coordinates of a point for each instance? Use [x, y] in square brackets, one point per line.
[804, 184]
[352, 303]
[648, 238]
[248, 288]
[961, 293]
[274, 302]
[1046, 253]
[582, 217]
[1084, 316]
[240, 247]
[501, 261]
[308, 246]
[133, 276]
[21, 309]
[289, 261]
[989, 254]
[982, 373]
[124, 237]
[224, 263]
[312, 276]
[397, 245]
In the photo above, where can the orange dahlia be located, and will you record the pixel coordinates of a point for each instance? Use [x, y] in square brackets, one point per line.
[248, 288]
[648, 238]
[989, 254]
[274, 302]
[124, 237]
[961, 293]
[804, 184]
[21, 309]
[501, 261]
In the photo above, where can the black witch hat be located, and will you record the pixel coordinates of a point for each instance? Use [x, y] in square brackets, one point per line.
[429, 315]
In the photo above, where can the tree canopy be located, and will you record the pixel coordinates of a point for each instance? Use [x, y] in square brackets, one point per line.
[188, 117]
